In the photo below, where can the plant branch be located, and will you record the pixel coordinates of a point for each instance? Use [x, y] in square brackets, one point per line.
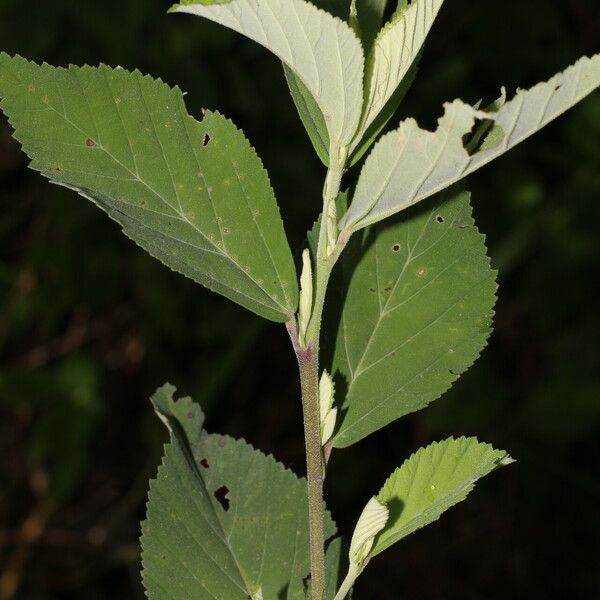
[308, 363]
[329, 249]
[309, 381]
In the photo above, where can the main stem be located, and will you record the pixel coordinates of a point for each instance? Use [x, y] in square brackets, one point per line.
[308, 361]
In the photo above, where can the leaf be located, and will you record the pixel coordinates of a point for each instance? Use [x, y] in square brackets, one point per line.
[337, 8]
[410, 164]
[224, 520]
[431, 481]
[368, 15]
[193, 194]
[384, 116]
[310, 115]
[321, 49]
[401, 7]
[334, 566]
[394, 51]
[417, 313]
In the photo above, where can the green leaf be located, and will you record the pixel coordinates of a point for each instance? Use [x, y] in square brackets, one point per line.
[394, 51]
[321, 49]
[366, 17]
[431, 481]
[334, 566]
[194, 194]
[410, 164]
[417, 313]
[223, 519]
[310, 115]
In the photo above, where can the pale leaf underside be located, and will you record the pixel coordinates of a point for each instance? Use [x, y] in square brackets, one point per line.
[192, 193]
[394, 50]
[410, 163]
[321, 49]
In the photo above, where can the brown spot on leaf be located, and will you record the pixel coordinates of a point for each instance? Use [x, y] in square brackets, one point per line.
[90, 143]
[422, 272]
[221, 442]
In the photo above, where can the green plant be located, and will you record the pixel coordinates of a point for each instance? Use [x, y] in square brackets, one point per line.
[413, 293]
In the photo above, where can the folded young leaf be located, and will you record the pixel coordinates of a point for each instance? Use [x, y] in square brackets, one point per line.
[223, 519]
[321, 49]
[410, 164]
[431, 481]
[395, 49]
[416, 314]
[193, 194]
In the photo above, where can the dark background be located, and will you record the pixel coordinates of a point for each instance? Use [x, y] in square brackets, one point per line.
[90, 325]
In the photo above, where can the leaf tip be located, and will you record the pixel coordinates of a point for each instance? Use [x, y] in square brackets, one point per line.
[505, 460]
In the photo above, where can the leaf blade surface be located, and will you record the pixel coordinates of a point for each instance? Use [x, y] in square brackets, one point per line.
[417, 313]
[410, 163]
[395, 49]
[431, 481]
[194, 194]
[321, 49]
[194, 547]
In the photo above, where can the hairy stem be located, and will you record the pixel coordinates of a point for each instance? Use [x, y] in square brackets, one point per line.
[328, 252]
[308, 363]
[309, 379]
